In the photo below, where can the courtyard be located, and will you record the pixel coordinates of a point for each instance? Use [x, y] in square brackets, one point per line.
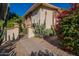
[44, 30]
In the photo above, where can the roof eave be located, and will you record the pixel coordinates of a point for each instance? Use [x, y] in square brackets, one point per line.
[38, 4]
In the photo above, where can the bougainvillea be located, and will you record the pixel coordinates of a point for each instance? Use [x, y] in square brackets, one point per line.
[69, 27]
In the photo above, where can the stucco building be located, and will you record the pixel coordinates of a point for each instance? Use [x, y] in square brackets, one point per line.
[41, 13]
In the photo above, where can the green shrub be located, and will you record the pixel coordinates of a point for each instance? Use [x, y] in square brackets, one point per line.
[41, 31]
[48, 32]
[72, 44]
[10, 24]
[21, 24]
[70, 31]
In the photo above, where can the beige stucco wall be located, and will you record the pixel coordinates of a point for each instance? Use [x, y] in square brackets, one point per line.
[10, 32]
[49, 20]
[38, 16]
[28, 22]
[30, 32]
[35, 16]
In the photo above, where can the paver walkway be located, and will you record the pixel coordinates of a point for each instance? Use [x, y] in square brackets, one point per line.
[36, 44]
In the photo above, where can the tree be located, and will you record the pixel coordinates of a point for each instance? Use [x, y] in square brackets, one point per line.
[8, 20]
[20, 22]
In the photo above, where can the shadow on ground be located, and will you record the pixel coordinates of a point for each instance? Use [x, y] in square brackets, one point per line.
[8, 48]
[53, 40]
[42, 53]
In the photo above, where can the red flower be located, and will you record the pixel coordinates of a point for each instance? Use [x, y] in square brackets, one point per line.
[65, 12]
[62, 14]
[59, 17]
[77, 7]
[74, 5]
[58, 20]
[72, 9]
[57, 27]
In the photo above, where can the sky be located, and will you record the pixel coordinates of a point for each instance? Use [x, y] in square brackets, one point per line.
[21, 8]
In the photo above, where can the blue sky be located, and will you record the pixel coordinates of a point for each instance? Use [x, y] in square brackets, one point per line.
[21, 8]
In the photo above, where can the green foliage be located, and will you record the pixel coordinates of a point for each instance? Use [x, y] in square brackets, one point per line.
[1, 31]
[70, 30]
[21, 24]
[11, 19]
[48, 32]
[41, 31]
[1, 23]
[10, 24]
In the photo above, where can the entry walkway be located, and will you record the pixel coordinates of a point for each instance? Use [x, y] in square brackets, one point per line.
[25, 46]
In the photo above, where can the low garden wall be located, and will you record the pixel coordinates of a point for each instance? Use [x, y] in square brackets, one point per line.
[30, 32]
[11, 34]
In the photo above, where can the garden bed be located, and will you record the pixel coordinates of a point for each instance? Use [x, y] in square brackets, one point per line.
[52, 40]
[56, 42]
